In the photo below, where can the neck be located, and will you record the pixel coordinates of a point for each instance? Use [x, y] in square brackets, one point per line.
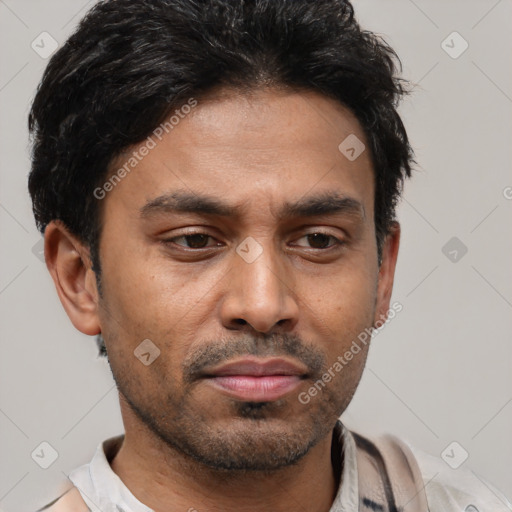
[167, 481]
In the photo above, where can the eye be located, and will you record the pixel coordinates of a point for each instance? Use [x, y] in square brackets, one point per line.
[321, 240]
[317, 240]
[193, 240]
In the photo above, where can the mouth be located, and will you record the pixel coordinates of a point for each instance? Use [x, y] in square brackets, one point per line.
[257, 380]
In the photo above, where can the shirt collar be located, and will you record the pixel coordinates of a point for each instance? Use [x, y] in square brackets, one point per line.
[104, 491]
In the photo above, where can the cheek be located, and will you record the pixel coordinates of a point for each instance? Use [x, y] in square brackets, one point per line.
[348, 312]
[341, 312]
[344, 297]
[156, 299]
[144, 290]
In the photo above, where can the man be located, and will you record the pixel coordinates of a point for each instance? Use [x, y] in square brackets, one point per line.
[216, 182]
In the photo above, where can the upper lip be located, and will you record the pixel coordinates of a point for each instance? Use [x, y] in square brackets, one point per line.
[258, 367]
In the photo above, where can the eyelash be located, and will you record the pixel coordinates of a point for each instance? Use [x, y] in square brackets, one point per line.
[171, 241]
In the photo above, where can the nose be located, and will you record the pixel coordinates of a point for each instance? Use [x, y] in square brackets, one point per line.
[260, 294]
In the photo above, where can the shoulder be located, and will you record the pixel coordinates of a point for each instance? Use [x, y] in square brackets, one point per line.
[406, 467]
[457, 489]
[70, 501]
[82, 478]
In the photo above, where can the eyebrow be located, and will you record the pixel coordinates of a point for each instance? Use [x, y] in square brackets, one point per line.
[327, 203]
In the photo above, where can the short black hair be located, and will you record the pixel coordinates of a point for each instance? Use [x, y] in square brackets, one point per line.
[132, 62]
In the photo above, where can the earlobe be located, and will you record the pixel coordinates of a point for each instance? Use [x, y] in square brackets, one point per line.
[387, 272]
[68, 262]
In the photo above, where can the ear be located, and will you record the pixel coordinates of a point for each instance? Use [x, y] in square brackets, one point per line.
[70, 266]
[387, 272]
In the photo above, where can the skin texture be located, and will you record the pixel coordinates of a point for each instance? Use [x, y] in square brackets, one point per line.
[188, 444]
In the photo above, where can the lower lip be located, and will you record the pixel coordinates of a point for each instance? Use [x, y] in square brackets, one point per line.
[256, 389]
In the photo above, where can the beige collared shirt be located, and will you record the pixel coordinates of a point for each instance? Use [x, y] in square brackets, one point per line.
[446, 489]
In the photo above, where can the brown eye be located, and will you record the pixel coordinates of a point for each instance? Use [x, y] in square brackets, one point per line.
[193, 241]
[320, 241]
[197, 241]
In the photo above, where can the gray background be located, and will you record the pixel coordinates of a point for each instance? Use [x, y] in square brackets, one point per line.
[439, 372]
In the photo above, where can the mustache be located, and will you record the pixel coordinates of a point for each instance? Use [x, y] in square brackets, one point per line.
[272, 345]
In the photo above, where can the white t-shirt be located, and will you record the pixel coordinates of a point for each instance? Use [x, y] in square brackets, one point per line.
[447, 489]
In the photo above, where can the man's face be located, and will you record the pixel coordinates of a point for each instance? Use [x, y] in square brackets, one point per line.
[257, 282]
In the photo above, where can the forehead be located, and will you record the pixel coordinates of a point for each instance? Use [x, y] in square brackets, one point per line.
[265, 124]
[268, 146]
